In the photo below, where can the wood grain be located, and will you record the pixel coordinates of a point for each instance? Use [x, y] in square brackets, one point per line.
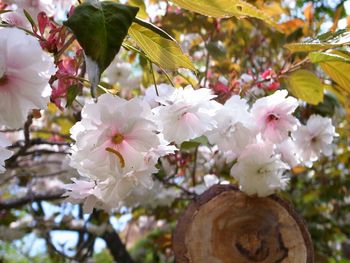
[224, 225]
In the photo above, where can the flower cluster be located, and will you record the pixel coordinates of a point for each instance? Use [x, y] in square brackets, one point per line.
[118, 142]
[117, 147]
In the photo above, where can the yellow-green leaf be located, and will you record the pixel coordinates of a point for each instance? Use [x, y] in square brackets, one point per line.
[225, 8]
[339, 72]
[308, 47]
[306, 86]
[318, 57]
[336, 64]
[142, 8]
[325, 41]
[161, 51]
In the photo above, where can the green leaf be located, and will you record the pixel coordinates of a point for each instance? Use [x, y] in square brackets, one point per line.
[325, 41]
[162, 51]
[336, 64]
[72, 93]
[188, 145]
[29, 17]
[306, 86]
[100, 28]
[225, 8]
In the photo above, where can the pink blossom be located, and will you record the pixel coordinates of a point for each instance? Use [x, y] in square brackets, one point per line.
[273, 116]
[24, 74]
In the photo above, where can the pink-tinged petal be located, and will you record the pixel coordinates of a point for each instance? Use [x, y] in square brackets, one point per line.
[24, 85]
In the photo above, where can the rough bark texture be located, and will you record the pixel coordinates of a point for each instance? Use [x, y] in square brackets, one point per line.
[223, 225]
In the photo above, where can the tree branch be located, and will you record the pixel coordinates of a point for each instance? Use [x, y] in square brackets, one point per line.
[116, 246]
[16, 203]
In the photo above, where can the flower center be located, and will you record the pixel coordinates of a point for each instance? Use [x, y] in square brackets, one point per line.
[314, 140]
[118, 138]
[272, 117]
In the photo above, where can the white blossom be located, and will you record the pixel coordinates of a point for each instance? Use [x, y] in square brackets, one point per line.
[86, 191]
[117, 144]
[16, 19]
[151, 93]
[33, 7]
[186, 113]
[25, 70]
[122, 74]
[259, 171]
[235, 128]
[157, 196]
[314, 138]
[273, 116]
[210, 159]
[289, 152]
[208, 181]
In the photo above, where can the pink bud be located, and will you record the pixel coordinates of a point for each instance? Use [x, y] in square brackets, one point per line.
[43, 22]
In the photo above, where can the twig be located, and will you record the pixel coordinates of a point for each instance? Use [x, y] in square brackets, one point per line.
[154, 78]
[64, 48]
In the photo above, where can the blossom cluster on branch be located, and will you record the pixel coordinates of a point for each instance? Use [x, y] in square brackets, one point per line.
[121, 142]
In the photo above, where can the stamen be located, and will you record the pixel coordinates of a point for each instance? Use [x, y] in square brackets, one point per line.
[119, 156]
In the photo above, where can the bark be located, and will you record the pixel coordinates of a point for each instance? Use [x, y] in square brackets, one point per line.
[116, 246]
[225, 225]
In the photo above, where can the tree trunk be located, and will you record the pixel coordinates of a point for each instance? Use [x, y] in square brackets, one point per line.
[224, 225]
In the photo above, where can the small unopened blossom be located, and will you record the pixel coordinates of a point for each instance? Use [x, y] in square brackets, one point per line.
[315, 138]
[259, 171]
[273, 116]
[235, 128]
[25, 70]
[186, 114]
[67, 70]
[4, 153]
